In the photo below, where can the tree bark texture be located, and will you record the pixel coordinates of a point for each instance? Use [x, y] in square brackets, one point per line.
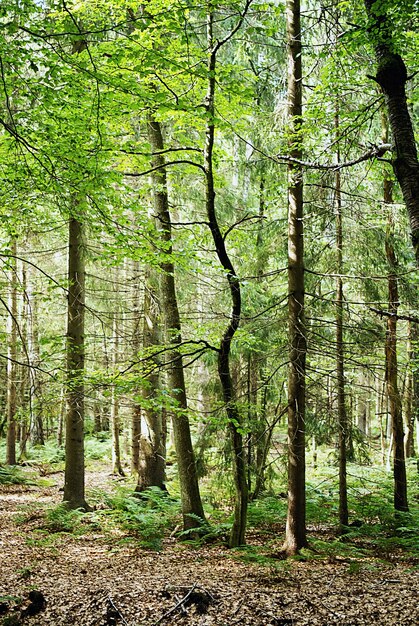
[190, 496]
[392, 77]
[295, 534]
[74, 488]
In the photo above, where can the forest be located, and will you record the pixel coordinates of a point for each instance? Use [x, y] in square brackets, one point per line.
[209, 312]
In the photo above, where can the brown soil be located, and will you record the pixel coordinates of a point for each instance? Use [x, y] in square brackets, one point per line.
[97, 580]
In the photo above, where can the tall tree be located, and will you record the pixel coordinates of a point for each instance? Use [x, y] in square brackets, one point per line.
[295, 534]
[190, 496]
[152, 444]
[340, 355]
[393, 393]
[237, 535]
[12, 323]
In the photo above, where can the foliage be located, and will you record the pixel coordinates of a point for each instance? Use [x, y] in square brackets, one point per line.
[60, 519]
[12, 475]
[147, 516]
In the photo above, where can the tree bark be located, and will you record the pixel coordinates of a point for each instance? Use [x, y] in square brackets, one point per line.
[114, 414]
[190, 496]
[399, 466]
[152, 445]
[340, 355]
[136, 408]
[295, 533]
[392, 77]
[409, 440]
[12, 327]
[74, 488]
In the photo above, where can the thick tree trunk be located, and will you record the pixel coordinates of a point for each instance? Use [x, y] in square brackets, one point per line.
[392, 77]
[152, 445]
[74, 492]
[191, 499]
[295, 534]
[12, 327]
[237, 536]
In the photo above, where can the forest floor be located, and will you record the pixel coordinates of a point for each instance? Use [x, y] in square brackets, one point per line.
[96, 579]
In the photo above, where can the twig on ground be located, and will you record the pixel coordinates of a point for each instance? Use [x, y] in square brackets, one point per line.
[178, 605]
[117, 611]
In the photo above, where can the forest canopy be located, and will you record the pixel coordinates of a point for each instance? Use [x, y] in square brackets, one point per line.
[209, 243]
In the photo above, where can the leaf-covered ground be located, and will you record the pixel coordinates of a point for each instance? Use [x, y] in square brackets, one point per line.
[96, 579]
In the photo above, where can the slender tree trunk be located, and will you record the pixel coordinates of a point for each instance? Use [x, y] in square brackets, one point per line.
[74, 488]
[340, 355]
[61, 417]
[37, 434]
[136, 408]
[295, 534]
[409, 440]
[191, 499]
[399, 466]
[114, 414]
[392, 77]
[12, 327]
[237, 536]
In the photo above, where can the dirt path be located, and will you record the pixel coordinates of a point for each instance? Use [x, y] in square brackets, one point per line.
[94, 580]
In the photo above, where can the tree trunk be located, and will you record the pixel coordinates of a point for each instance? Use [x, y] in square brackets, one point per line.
[295, 534]
[74, 493]
[409, 441]
[136, 407]
[12, 327]
[114, 413]
[152, 448]
[37, 434]
[237, 536]
[340, 356]
[392, 77]
[191, 499]
[399, 467]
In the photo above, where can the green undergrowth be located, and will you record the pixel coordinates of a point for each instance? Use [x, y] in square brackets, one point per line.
[148, 516]
[122, 515]
[13, 475]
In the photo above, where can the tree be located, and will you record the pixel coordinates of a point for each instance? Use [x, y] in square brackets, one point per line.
[295, 534]
[392, 76]
[192, 508]
[12, 358]
[74, 486]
